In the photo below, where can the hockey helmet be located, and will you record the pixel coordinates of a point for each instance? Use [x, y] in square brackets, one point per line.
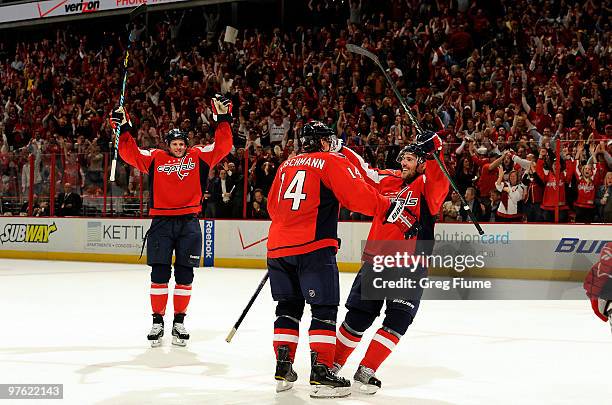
[176, 134]
[413, 149]
[313, 133]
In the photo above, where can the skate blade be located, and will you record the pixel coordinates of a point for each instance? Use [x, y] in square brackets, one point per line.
[325, 391]
[365, 389]
[283, 385]
[178, 341]
[155, 342]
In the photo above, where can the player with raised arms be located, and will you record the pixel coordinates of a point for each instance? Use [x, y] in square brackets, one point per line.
[176, 180]
[422, 186]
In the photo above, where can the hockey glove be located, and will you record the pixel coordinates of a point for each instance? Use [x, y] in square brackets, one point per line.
[401, 217]
[119, 118]
[221, 108]
[335, 144]
[430, 142]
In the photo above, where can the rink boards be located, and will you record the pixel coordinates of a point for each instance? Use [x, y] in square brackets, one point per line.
[534, 251]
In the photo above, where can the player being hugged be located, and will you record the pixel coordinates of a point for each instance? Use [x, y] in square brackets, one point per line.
[177, 177]
[598, 285]
[303, 240]
[422, 186]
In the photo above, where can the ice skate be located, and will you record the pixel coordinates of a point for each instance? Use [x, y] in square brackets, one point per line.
[157, 331]
[179, 335]
[326, 384]
[285, 376]
[365, 381]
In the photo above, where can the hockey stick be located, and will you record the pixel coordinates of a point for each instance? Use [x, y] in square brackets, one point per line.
[364, 52]
[115, 151]
[229, 337]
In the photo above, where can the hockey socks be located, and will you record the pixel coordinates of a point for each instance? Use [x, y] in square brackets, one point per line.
[286, 337]
[323, 342]
[347, 340]
[286, 333]
[159, 298]
[182, 295]
[322, 333]
[287, 326]
[381, 346]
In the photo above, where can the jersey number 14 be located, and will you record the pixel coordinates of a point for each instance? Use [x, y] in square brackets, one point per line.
[294, 190]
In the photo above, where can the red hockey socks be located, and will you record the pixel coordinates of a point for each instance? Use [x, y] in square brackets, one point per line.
[286, 337]
[287, 326]
[159, 298]
[323, 342]
[346, 342]
[182, 294]
[380, 348]
[322, 333]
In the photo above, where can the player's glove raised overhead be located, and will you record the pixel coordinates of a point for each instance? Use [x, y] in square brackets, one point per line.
[221, 108]
[119, 118]
[430, 142]
[399, 215]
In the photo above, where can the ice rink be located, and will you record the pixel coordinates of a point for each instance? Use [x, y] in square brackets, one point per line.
[84, 325]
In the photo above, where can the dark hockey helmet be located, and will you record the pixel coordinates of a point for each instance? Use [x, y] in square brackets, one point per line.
[414, 149]
[176, 134]
[313, 133]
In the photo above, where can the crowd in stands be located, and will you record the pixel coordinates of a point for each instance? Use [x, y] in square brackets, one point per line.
[519, 91]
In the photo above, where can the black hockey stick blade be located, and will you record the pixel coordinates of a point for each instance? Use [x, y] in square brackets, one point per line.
[138, 11]
[362, 51]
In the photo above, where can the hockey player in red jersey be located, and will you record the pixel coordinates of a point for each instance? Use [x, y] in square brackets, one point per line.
[176, 181]
[302, 242]
[423, 186]
[598, 285]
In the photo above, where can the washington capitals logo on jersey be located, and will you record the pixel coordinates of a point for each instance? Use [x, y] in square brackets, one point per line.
[181, 168]
[407, 198]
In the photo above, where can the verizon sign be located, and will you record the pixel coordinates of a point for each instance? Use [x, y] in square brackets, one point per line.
[63, 8]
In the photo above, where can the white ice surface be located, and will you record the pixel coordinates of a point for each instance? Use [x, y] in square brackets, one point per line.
[84, 325]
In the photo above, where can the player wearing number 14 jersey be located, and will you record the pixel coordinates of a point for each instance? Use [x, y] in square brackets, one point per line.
[303, 204]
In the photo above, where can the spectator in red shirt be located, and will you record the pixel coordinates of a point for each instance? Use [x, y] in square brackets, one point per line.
[554, 190]
[488, 169]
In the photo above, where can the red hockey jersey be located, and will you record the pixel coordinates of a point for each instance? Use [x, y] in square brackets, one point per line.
[176, 183]
[586, 189]
[554, 191]
[304, 199]
[426, 193]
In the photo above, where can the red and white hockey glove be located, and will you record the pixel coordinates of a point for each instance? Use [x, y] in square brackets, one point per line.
[598, 284]
[221, 108]
[399, 215]
[120, 119]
